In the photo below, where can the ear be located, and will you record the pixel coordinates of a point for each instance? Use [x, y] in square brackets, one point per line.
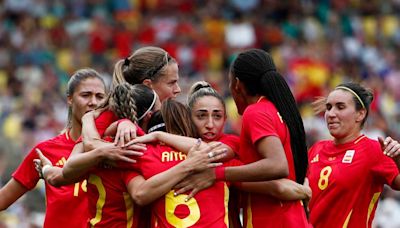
[69, 100]
[361, 115]
[239, 87]
[147, 82]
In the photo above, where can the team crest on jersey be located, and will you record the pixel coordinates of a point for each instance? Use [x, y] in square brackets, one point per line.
[315, 159]
[348, 157]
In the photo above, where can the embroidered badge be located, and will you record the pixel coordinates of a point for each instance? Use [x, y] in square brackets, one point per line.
[348, 157]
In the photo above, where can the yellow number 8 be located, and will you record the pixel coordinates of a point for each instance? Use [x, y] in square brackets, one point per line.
[323, 177]
[171, 202]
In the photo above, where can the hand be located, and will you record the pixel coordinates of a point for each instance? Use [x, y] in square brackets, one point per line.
[113, 152]
[390, 147]
[201, 159]
[196, 182]
[94, 113]
[126, 131]
[307, 189]
[41, 162]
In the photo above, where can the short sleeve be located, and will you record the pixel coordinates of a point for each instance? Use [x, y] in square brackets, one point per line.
[383, 167]
[26, 173]
[258, 124]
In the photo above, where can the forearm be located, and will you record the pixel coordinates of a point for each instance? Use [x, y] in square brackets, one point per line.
[78, 164]
[54, 176]
[183, 143]
[90, 135]
[155, 187]
[261, 170]
[12, 191]
[282, 189]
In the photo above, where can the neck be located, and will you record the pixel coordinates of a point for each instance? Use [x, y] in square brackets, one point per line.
[348, 138]
[75, 130]
[254, 99]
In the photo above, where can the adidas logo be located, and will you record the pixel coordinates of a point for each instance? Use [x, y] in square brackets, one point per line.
[61, 162]
[315, 159]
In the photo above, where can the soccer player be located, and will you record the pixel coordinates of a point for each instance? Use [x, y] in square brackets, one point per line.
[151, 66]
[110, 188]
[347, 174]
[208, 113]
[85, 91]
[272, 139]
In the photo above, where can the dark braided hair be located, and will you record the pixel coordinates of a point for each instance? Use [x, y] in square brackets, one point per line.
[122, 101]
[256, 69]
[131, 101]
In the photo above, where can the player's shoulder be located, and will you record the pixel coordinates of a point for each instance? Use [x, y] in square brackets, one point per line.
[56, 140]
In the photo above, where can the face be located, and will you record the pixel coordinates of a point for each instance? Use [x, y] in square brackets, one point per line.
[208, 115]
[342, 118]
[167, 85]
[235, 91]
[88, 95]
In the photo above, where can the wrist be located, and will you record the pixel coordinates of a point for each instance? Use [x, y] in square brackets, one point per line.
[219, 173]
[45, 169]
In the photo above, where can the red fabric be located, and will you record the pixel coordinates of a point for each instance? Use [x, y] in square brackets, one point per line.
[70, 198]
[262, 120]
[206, 209]
[348, 187]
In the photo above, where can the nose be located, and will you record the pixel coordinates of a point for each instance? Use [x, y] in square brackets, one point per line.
[177, 89]
[93, 102]
[210, 123]
[331, 113]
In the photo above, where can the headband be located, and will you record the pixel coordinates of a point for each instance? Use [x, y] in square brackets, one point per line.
[354, 93]
[151, 106]
[155, 127]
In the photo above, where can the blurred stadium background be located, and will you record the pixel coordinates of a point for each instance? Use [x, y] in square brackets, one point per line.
[316, 45]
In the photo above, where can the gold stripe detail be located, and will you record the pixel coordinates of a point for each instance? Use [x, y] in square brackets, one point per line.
[346, 223]
[129, 209]
[372, 204]
[358, 140]
[226, 201]
[249, 213]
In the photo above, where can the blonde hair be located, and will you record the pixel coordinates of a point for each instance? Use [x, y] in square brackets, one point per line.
[145, 63]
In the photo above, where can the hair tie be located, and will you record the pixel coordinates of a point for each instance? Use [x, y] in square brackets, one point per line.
[150, 108]
[127, 62]
[354, 93]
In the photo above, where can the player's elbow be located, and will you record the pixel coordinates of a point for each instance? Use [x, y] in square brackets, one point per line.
[139, 198]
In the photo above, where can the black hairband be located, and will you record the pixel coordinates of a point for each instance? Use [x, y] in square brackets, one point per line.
[127, 62]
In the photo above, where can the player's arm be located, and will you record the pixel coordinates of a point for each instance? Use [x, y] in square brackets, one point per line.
[90, 136]
[124, 130]
[12, 191]
[144, 191]
[391, 148]
[283, 189]
[181, 143]
[80, 162]
[273, 164]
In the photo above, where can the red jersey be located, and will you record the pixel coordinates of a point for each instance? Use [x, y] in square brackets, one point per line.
[233, 141]
[106, 118]
[110, 204]
[346, 182]
[208, 208]
[260, 120]
[70, 198]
